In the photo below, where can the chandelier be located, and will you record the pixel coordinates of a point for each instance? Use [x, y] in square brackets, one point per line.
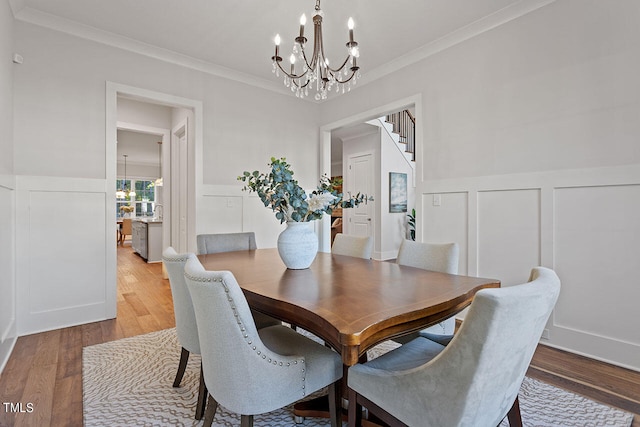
[316, 71]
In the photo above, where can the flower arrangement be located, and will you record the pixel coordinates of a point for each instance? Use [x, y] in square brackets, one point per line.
[127, 209]
[281, 192]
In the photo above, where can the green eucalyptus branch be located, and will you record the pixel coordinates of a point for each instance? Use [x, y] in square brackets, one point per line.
[279, 191]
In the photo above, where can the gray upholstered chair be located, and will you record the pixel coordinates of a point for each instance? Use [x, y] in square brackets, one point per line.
[474, 381]
[356, 246]
[442, 257]
[226, 242]
[250, 371]
[186, 327]
[230, 242]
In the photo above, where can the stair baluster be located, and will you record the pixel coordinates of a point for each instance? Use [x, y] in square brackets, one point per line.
[404, 124]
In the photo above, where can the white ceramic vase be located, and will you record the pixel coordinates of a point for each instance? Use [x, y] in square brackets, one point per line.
[298, 245]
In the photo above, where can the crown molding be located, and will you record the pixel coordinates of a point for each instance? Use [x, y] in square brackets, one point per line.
[467, 32]
[35, 17]
[16, 6]
[53, 22]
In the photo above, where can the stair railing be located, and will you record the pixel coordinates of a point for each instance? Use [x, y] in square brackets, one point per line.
[404, 124]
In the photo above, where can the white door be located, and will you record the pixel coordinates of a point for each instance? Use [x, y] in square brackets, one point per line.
[179, 188]
[360, 179]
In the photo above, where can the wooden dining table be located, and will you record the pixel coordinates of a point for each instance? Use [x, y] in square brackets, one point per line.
[351, 303]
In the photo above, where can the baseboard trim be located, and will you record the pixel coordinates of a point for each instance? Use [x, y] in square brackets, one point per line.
[6, 348]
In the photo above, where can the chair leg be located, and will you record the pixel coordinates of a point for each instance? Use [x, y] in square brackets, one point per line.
[515, 420]
[335, 404]
[355, 410]
[246, 420]
[212, 407]
[202, 396]
[182, 366]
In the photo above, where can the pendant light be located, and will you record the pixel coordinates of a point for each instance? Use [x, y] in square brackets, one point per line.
[132, 193]
[120, 194]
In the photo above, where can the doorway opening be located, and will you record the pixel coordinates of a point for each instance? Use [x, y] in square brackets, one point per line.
[176, 123]
[139, 183]
[348, 139]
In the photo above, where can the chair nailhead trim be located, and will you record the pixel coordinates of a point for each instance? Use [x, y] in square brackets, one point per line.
[232, 305]
[179, 258]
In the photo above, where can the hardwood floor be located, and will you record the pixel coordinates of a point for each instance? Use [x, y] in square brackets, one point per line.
[599, 381]
[45, 369]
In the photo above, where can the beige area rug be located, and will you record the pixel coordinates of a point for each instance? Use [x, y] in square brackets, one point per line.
[129, 383]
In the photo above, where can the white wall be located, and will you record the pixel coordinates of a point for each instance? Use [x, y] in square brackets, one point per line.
[144, 113]
[393, 228]
[389, 228]
[531, 140]
[7, 189]
[142, 148]
[61, 87]
[6, 88]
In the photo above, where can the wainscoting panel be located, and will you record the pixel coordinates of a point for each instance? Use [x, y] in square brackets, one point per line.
[582, 223]
[262, 221]
[76, 275]
[227, 209]
[508, 234]
[596, 254]
[62, 239]
[7, 268]
[445, 219]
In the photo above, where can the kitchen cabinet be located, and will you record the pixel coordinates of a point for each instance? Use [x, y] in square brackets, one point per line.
[146, 239]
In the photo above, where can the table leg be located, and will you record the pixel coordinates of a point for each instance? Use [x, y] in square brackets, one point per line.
[319, 408]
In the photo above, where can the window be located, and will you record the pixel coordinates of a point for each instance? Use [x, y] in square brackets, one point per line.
[144, 201]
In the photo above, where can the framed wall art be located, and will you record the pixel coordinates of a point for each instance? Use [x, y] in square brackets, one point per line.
[397, 192]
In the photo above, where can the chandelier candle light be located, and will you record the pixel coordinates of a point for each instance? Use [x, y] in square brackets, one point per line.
[317, 70]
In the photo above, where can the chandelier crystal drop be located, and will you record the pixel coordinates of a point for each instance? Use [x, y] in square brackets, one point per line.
[315, 72]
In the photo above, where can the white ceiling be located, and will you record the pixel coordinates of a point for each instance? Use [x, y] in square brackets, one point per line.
[235, 38]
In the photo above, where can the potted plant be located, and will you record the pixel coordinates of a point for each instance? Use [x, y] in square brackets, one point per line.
[412, 224]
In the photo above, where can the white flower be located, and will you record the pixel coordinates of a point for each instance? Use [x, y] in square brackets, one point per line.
[319, 202]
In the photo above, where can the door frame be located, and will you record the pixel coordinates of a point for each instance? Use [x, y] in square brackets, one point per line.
[194, 178]
[324, 230]
[178, 186]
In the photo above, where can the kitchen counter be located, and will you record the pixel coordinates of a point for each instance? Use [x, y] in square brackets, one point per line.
[148, 220]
